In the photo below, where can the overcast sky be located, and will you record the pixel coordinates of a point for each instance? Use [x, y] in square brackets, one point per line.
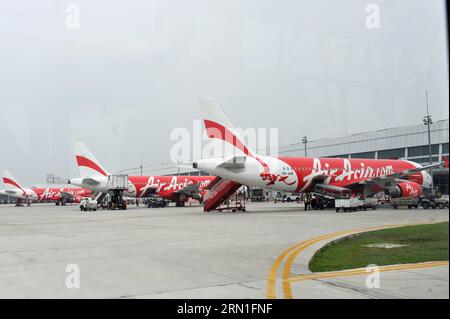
[134, 70]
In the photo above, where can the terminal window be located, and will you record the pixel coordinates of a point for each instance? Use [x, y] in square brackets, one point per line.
[440, 180]
[395, 153]
[425, 160]
[422, 150]
[445, 148]
[364, 155]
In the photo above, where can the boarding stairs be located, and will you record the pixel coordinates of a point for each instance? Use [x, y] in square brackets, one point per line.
[100, 197]
[219, 191]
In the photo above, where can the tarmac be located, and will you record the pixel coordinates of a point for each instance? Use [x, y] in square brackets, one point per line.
[181, 252]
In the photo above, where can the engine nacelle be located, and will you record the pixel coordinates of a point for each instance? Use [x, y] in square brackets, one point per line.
[404, 189]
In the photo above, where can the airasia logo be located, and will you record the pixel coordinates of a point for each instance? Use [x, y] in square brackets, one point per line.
[410, 189]
[348, 172]
[173, 185]
[51, 193]
[48, 194]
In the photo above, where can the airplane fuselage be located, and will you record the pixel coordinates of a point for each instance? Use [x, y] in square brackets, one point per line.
[47, 193]
[144, 186]
[298, 174]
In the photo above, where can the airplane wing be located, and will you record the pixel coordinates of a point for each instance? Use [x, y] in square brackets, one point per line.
[10, 192]
[149, 191]
[190, 190]
[332, 190]
[395, 176]
[423, 168]
[66, 195]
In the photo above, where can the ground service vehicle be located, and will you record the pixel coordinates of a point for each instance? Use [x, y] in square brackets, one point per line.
[410, 202]
[428, 202]
[348, 204]
[291, 198]
[88, 204]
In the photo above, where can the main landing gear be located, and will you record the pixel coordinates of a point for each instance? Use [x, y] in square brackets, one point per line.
[179, 204]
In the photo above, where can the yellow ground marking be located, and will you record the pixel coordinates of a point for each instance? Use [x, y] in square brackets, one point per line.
[296, 249]
[287, 291]
[364, 271]
[272, 278]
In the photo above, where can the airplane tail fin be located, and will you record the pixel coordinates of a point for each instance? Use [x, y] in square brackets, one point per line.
[88, 165]
[10, 182]
[218, 126]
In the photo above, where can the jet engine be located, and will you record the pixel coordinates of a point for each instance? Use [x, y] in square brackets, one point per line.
[404, 189]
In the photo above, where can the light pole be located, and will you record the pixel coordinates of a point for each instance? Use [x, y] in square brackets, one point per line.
[305, 141]
[427, 121]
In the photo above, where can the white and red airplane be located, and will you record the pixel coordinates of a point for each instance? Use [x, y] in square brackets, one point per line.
[398, 178]
[174, 188]
[54, 194]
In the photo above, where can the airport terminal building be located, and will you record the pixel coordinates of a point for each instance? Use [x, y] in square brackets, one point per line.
[408, 142]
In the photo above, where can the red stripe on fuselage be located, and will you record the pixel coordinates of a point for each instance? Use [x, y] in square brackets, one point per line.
[86, 162]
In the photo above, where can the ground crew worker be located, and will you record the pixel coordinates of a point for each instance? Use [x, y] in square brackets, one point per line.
[307, 202]
[314, 203]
